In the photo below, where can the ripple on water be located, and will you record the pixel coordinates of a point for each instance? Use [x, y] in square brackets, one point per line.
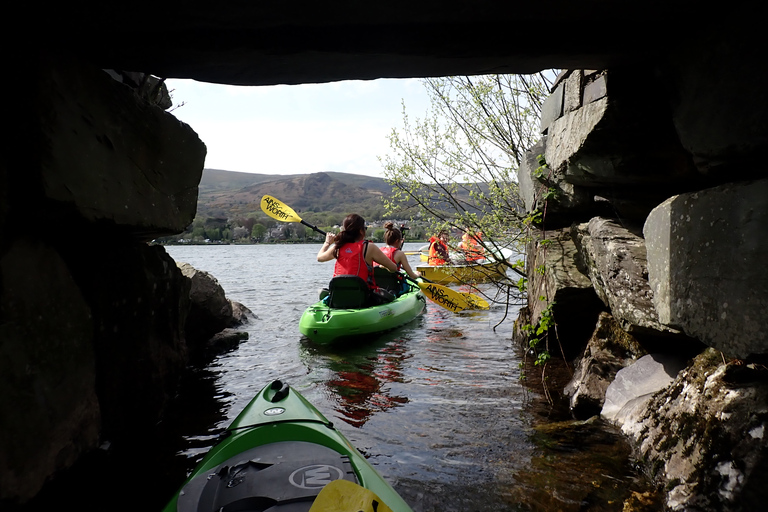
[437, 406]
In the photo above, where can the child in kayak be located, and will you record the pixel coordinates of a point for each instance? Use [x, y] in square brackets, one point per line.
[353, 254]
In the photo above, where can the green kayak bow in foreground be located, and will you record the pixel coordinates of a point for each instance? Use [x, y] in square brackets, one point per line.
[277, 456]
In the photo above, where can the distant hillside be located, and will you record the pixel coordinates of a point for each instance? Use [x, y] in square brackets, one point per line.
[230, 194]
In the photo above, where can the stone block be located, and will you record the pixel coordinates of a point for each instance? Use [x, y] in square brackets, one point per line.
[615, 259]
[568, 134]
[572, 95]
[707, 254]
[595, 89]
[113, 156]
[552, 108]
[530, 187]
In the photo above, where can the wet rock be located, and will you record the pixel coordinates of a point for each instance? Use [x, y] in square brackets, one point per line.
[704, 436]
[609, 350]
[226, 340]
[211, 311]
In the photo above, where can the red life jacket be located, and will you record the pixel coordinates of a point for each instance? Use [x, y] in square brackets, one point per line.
[389, 252]
[351, 261]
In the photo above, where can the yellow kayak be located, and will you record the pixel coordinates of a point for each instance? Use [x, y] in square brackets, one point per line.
[465, 273]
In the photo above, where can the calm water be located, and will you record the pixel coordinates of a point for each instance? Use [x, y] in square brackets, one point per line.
[437, 406]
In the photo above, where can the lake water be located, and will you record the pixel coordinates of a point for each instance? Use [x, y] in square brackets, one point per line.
[436, 406]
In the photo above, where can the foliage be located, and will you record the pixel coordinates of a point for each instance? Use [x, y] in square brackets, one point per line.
[456, 168]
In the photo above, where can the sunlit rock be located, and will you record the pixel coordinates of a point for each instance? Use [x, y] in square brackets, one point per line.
[616, 263]
[609, 349]
[634, 385]
[704, 436]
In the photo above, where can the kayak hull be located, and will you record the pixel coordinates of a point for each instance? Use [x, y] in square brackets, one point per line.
[324, 325]
[459, 274]
[281, 451]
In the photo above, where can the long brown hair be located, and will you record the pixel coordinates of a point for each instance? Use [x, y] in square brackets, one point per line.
[350, 230]
[392, 234]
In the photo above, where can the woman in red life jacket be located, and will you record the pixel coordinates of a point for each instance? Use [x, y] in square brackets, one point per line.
[438, 249]
[393, 250]
[354, 255]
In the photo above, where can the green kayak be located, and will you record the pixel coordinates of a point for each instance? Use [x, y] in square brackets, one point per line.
[341, 316]
[277, 456]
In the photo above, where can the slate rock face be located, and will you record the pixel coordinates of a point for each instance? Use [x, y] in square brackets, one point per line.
[615, 259]
[707, 254]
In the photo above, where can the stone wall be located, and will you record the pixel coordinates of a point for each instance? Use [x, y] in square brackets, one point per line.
[666, 229]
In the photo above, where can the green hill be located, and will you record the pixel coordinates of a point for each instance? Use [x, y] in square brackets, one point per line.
[227, 194]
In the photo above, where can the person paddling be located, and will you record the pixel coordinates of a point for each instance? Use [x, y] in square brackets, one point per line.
[438, 249]
[353, 254]
[394, 239]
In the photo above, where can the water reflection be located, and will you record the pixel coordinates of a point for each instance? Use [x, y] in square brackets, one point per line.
[360, 374]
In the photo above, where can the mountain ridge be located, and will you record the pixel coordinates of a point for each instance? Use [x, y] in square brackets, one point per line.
[230, 194]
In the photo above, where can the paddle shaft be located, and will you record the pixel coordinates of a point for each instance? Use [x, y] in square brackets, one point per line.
[313, 227]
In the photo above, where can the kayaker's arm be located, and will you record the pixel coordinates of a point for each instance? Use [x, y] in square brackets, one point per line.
[326, 251]
[403, 261]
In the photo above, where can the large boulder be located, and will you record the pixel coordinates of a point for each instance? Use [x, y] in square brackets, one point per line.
[211, 314]
[707, 254]
[108, 154]
[615, 259]
[703, 436]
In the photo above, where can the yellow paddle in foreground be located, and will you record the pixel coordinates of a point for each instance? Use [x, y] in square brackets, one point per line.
[346, 496]
[440, 295]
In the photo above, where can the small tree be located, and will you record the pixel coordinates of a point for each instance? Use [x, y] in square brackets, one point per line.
[258, 232]
[456, 168]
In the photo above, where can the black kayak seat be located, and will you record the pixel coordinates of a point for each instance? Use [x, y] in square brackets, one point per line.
[390, 281]
[284, 476]
[348, 292]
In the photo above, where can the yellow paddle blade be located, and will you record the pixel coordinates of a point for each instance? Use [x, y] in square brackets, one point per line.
[445, 297]
[346, 496]
[475, 301]
[278, 210]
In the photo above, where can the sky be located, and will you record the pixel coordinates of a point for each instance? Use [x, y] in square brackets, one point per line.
[298, 129]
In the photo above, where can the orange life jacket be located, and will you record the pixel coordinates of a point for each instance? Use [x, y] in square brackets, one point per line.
[472, 250]
[437, 252]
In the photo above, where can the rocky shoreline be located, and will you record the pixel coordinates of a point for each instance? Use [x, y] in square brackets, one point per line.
[658, 308]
